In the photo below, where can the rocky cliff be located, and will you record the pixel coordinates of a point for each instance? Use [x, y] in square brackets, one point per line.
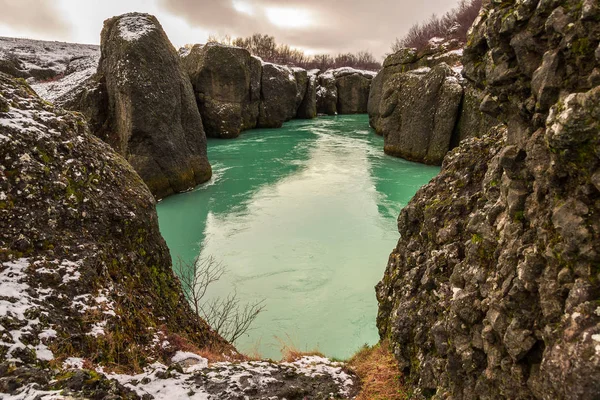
[422, 106]
[84, 270]
[147, 111]
[227, 82]
[493, 289]
[236, 91]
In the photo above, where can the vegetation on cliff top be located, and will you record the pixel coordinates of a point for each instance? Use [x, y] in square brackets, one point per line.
[453, 25]
[267, 48]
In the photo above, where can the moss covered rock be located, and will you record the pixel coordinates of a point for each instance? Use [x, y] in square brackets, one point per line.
[227, 83]
[142, 103]
[493, 290]
[83, 268]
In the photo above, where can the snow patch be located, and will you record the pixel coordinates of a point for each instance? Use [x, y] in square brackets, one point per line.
[133, 27]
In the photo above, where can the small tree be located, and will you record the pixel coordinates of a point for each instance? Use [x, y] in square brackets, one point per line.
[227, 316]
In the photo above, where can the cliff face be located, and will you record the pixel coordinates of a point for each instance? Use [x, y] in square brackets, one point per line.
[422, 106]
[142, 103]
[84, 269]
[493, 290]
[227, 84]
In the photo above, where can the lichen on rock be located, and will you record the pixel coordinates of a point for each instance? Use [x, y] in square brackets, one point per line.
[83, 267]
[493, 289]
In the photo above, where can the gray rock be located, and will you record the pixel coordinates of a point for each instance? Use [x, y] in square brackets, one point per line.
[501, 249]
[226, 83]
[278, 96]
[308, 106]
[327, 94]
[418, 113]
[141, 102]
[353, 93]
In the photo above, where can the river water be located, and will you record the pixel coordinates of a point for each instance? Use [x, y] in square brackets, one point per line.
[303, 217]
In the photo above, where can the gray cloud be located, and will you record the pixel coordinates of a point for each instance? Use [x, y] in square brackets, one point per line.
[349, 25]
[39, 16]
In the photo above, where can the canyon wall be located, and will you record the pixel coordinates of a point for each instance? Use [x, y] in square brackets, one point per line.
[421, 104]
[493, 290]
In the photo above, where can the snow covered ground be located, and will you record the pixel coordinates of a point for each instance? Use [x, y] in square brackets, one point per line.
[52, 68]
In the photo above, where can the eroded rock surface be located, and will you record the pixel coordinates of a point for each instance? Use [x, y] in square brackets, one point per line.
[417, 113]
[142, 103]
[493, 289]
[279, 91]
[84, 270]
[227, 84]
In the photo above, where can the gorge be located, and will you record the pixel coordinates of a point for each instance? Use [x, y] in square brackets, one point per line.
[491, 291]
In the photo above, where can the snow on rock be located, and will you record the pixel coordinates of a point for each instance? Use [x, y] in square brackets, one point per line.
[16, 306]
[73, 362]
[251, 379]
[133, 27]
[53, 68]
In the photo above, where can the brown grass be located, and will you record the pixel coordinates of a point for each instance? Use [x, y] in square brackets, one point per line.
[378, 372]
[291, 353]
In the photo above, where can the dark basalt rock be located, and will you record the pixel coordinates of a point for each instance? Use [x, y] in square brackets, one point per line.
[227, 83]
[308, 107]
[279, 91]
[327, 94]
[81, 255]
[142, 103]
[418, 112]
[493, 290]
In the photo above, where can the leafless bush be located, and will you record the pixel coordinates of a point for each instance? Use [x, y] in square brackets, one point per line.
[266, 47]
[227, 316]
[452, 25]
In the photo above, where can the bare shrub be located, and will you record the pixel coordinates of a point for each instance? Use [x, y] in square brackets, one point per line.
[453, 25]
[267, 48]
[227, 316]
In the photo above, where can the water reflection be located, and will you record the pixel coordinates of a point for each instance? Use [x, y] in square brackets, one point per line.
[305, 217]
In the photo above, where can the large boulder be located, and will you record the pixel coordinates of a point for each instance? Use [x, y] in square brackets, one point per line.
[493, 290]
[352, 90]
[327, 94]
[142, 103]
[279, 92]
[226, 82]
[84, 269]
[417, 113]
[301, 76]
[308, 106]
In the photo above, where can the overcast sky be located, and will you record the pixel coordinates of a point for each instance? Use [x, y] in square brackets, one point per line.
[316, 26]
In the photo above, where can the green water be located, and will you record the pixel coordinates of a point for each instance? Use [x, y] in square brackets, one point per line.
[305, 218]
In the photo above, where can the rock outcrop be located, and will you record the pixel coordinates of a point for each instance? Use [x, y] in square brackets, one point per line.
[84, 270]
[437, 130]
[326, 94]
[493, 289]
[343, 91]
[417, 113]
[278, 93]
[227, 83]
[147, 100]
[308, 106]
[353, 90]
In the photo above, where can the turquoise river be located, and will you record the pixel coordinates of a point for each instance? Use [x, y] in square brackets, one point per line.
[303, 217]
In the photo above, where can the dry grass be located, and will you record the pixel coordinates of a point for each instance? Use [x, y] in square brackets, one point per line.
[291, 353]
[378, 372]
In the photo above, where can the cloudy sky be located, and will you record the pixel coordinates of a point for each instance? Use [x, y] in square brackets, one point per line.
[316, 26]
